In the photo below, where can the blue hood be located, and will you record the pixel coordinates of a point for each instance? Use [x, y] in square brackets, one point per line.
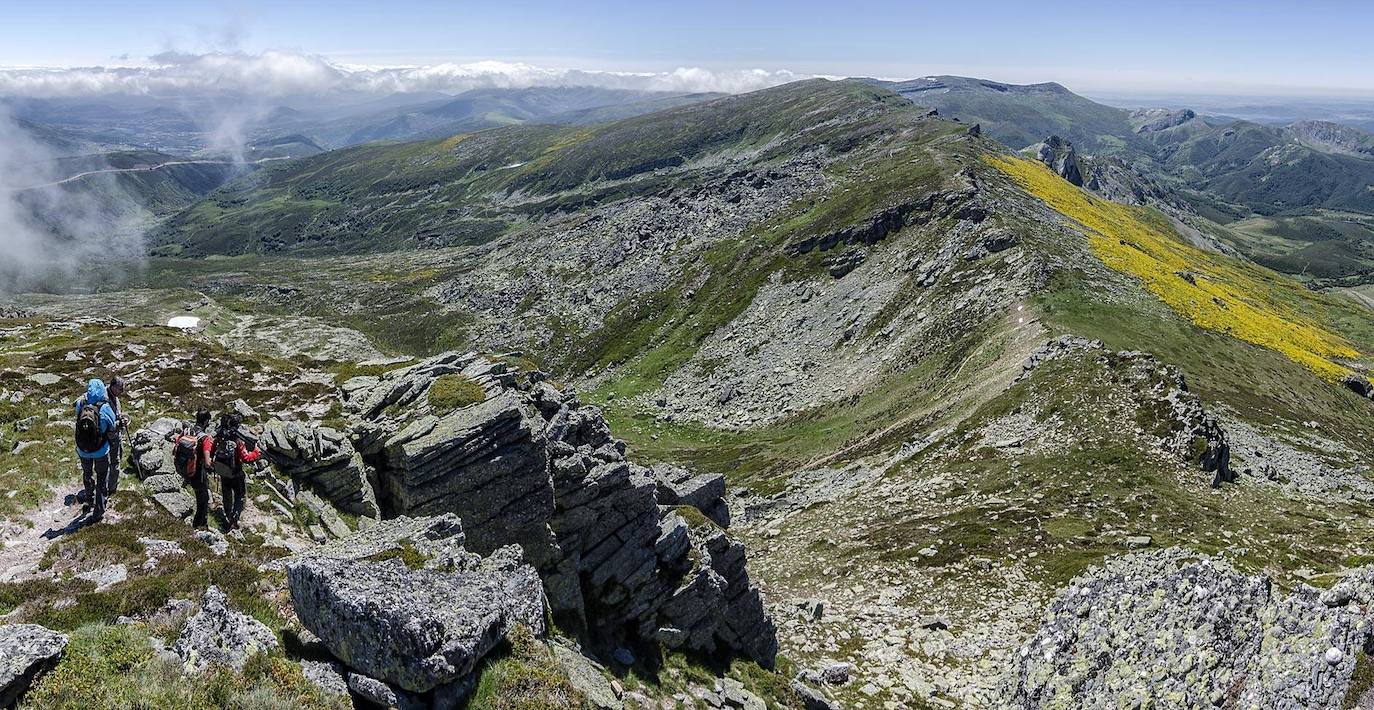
[95, 392]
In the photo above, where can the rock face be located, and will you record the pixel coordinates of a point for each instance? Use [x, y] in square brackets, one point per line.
[416, 629]
[706, 492]
[1203, 635]
[1060, 156]
[534, 467]
[218, 635]
[325, 459]
[26, 652]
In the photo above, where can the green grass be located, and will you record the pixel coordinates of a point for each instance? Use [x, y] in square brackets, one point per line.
[524, 676]
[454, 391]
[114, 667]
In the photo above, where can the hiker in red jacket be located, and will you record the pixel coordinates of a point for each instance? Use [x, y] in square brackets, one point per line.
[229, 452]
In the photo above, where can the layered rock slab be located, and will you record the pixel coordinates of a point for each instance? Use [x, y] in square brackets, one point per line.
[416, 629]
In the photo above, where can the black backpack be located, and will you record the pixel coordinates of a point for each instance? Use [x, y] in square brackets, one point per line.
[226, 454]
[88, 436]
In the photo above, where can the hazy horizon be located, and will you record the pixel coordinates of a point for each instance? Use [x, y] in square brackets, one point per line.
[1260, 49]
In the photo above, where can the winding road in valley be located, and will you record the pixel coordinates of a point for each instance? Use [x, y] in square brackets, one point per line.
[143, 169]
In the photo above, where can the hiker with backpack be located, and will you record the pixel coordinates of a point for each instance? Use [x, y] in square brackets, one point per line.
[191, 457]
[113, 392]
[230, 451]
[95, 419]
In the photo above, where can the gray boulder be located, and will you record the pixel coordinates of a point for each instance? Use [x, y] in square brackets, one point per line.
[149, 451]
[26, 652]
[415, 629]
[218, 635]
[1203, 633]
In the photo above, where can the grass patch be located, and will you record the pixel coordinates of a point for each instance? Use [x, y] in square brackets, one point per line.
[454, 391]
[115, 667]
[525, 676]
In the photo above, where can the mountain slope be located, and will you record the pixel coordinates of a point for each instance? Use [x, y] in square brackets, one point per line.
[948, 380]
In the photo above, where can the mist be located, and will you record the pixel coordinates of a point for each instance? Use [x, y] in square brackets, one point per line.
[76, 236]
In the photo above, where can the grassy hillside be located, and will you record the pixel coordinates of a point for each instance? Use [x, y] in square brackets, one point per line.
[454, 191]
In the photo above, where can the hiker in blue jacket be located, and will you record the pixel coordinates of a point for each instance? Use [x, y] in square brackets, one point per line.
[95, 419]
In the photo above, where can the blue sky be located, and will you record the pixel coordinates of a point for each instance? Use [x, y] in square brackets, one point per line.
[1234, 47]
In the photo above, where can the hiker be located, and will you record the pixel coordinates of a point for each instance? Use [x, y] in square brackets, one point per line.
[95, 419]
[191, 457]
[116, 389]
[230, 452]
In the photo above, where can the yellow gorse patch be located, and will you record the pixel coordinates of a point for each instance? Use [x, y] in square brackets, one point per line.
[1225, 295]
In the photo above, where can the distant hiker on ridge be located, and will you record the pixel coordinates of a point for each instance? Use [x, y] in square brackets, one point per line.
[95, 420]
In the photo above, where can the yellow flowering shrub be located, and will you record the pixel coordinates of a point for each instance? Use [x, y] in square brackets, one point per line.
[1214, 291]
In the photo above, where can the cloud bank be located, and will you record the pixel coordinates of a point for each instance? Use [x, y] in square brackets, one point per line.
[52, 235]
[277, 73]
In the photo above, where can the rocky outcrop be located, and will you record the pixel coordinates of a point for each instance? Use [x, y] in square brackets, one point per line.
[415, 629]
[1203, 635]
[219, 636]
[960, 203]
[1359, 385]
[150, 453]
[1186, 429]
[1059, 155]
[534, 467]
[705, 492]
[1154, 120]
[322, 458]
[26, 652]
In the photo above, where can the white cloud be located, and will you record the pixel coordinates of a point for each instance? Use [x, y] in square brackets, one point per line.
[276, 73]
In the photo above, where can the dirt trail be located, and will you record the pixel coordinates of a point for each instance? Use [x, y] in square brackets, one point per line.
[25, 538]
[143, 169]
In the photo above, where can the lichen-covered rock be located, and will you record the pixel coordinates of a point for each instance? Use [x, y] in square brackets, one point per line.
[26, 652]
[217, 635]
[149, 452]
[416, 629]
[325, 459]
[486, 462]
[1168, 629]
[439, 539]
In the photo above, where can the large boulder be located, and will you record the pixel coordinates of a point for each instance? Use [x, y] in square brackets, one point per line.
[219, 636]
[322, 458]
[486, 462]
[415, 629]
[150, 453]
[26, 652]
[1202, 633]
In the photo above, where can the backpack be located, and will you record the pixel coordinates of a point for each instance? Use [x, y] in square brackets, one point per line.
[88, 436]
[186, 454]
[226, 455]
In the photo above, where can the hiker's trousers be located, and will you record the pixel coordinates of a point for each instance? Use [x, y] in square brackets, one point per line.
[232, 490]
[94, 473]
[201, 487]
